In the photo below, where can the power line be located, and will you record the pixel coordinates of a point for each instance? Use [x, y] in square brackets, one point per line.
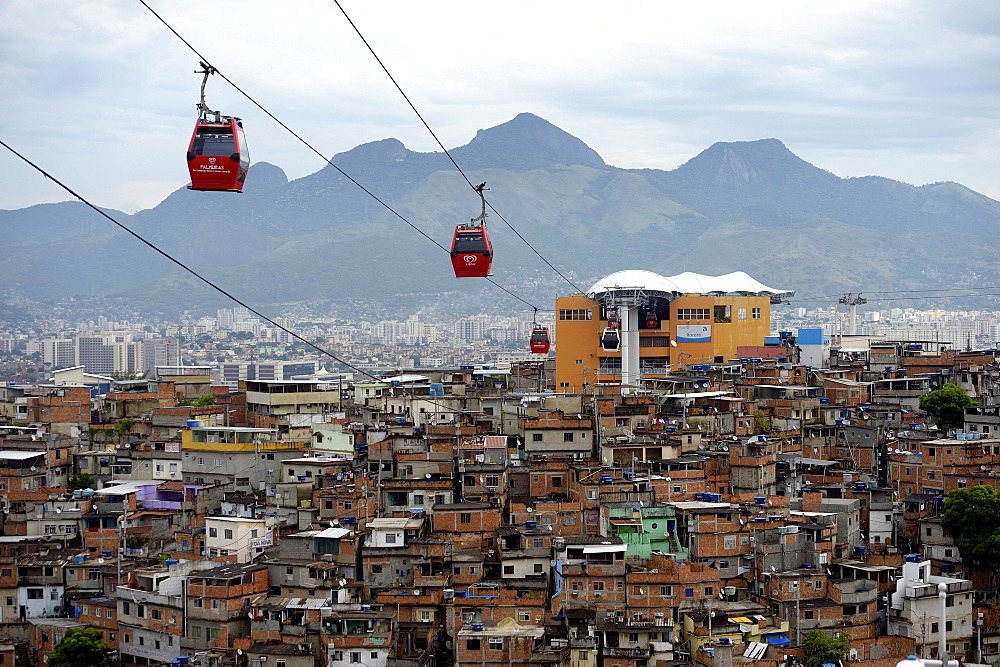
[185, 266]
[304, 142]
[442, 146]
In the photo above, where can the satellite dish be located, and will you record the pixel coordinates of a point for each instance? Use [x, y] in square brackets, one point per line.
[58, 511]
[427, 475]
[127, 446]
[100, 561]
[416, 592]
[530, 510]
[33, 468]
[239, 651]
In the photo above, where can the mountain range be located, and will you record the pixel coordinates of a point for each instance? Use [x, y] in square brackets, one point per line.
[739, 206]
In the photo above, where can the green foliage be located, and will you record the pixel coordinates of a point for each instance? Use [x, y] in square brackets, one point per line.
[970, 517]
[81, 481]
[761, 422]
[124, 428]
[207, 399]
[947, 406]
[821, 647]
[135, 542]
[81, 647]
[129, 375]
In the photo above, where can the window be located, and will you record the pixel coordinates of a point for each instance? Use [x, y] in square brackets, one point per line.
[140, 611]
[537, 567]
[390, 538]
[472, 645]
[377, 569]
[557, 480]
[584, 656]
[50, 530]
[465, 517]
[536, 437]
[741, 313]
[692, 314]
[173, 467]
[196, 602]
[425, 616]
[538, 542]
[575, 314]
[523, 616]
[279, 663]
[227, 533]
[723, 564]
[418, 499]
[508, 569]
[666, 590]
[218, 463]
[155, 614]
[598, 586]
[568, 436]
[496, 643]
[689, 592]
[493, 480]
[213, 532]
[722, 314]
[126, 608]
[756, 313]
[355, 657]
[809, 614]
[709, 591]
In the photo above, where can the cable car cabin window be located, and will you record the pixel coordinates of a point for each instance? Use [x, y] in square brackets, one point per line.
[214, 142]
[469, 242]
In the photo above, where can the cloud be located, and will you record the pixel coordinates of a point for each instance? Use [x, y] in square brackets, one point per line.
[105, 94]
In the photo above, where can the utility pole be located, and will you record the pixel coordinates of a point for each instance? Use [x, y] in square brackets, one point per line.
[852, 301]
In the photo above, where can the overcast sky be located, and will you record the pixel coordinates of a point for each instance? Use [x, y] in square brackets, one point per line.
[102, 95]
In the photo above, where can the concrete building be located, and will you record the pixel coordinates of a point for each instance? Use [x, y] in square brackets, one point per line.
[658, 322]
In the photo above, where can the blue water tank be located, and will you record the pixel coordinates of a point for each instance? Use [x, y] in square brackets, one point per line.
[859, 550]
[531, 524]
[760, 500]
[437, 389]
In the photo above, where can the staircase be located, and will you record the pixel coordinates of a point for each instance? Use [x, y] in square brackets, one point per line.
[23, 655]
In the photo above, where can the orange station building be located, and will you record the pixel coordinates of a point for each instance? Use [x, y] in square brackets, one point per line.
[671, 321]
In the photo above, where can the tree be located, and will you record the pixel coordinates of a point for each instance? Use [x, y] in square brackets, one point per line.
[122, 376]
[124, 428]
[970, 517]
[80, 647]
[822, 648]
[947, 406]
[81, 481]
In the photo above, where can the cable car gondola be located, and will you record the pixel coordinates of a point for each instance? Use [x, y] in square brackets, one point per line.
[471, 251]
[613, 319]
[652, 321]
[217, 155]
[539, 341]
[610, 340]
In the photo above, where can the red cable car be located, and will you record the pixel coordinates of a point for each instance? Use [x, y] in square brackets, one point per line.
[471, 251]
[539, 340]
[217, 156]
[652, 321]
[613, 319]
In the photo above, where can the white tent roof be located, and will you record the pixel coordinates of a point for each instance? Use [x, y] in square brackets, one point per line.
[684, 283]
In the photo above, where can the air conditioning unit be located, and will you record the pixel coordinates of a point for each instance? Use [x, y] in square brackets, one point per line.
[575, 594]
[598, 594]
